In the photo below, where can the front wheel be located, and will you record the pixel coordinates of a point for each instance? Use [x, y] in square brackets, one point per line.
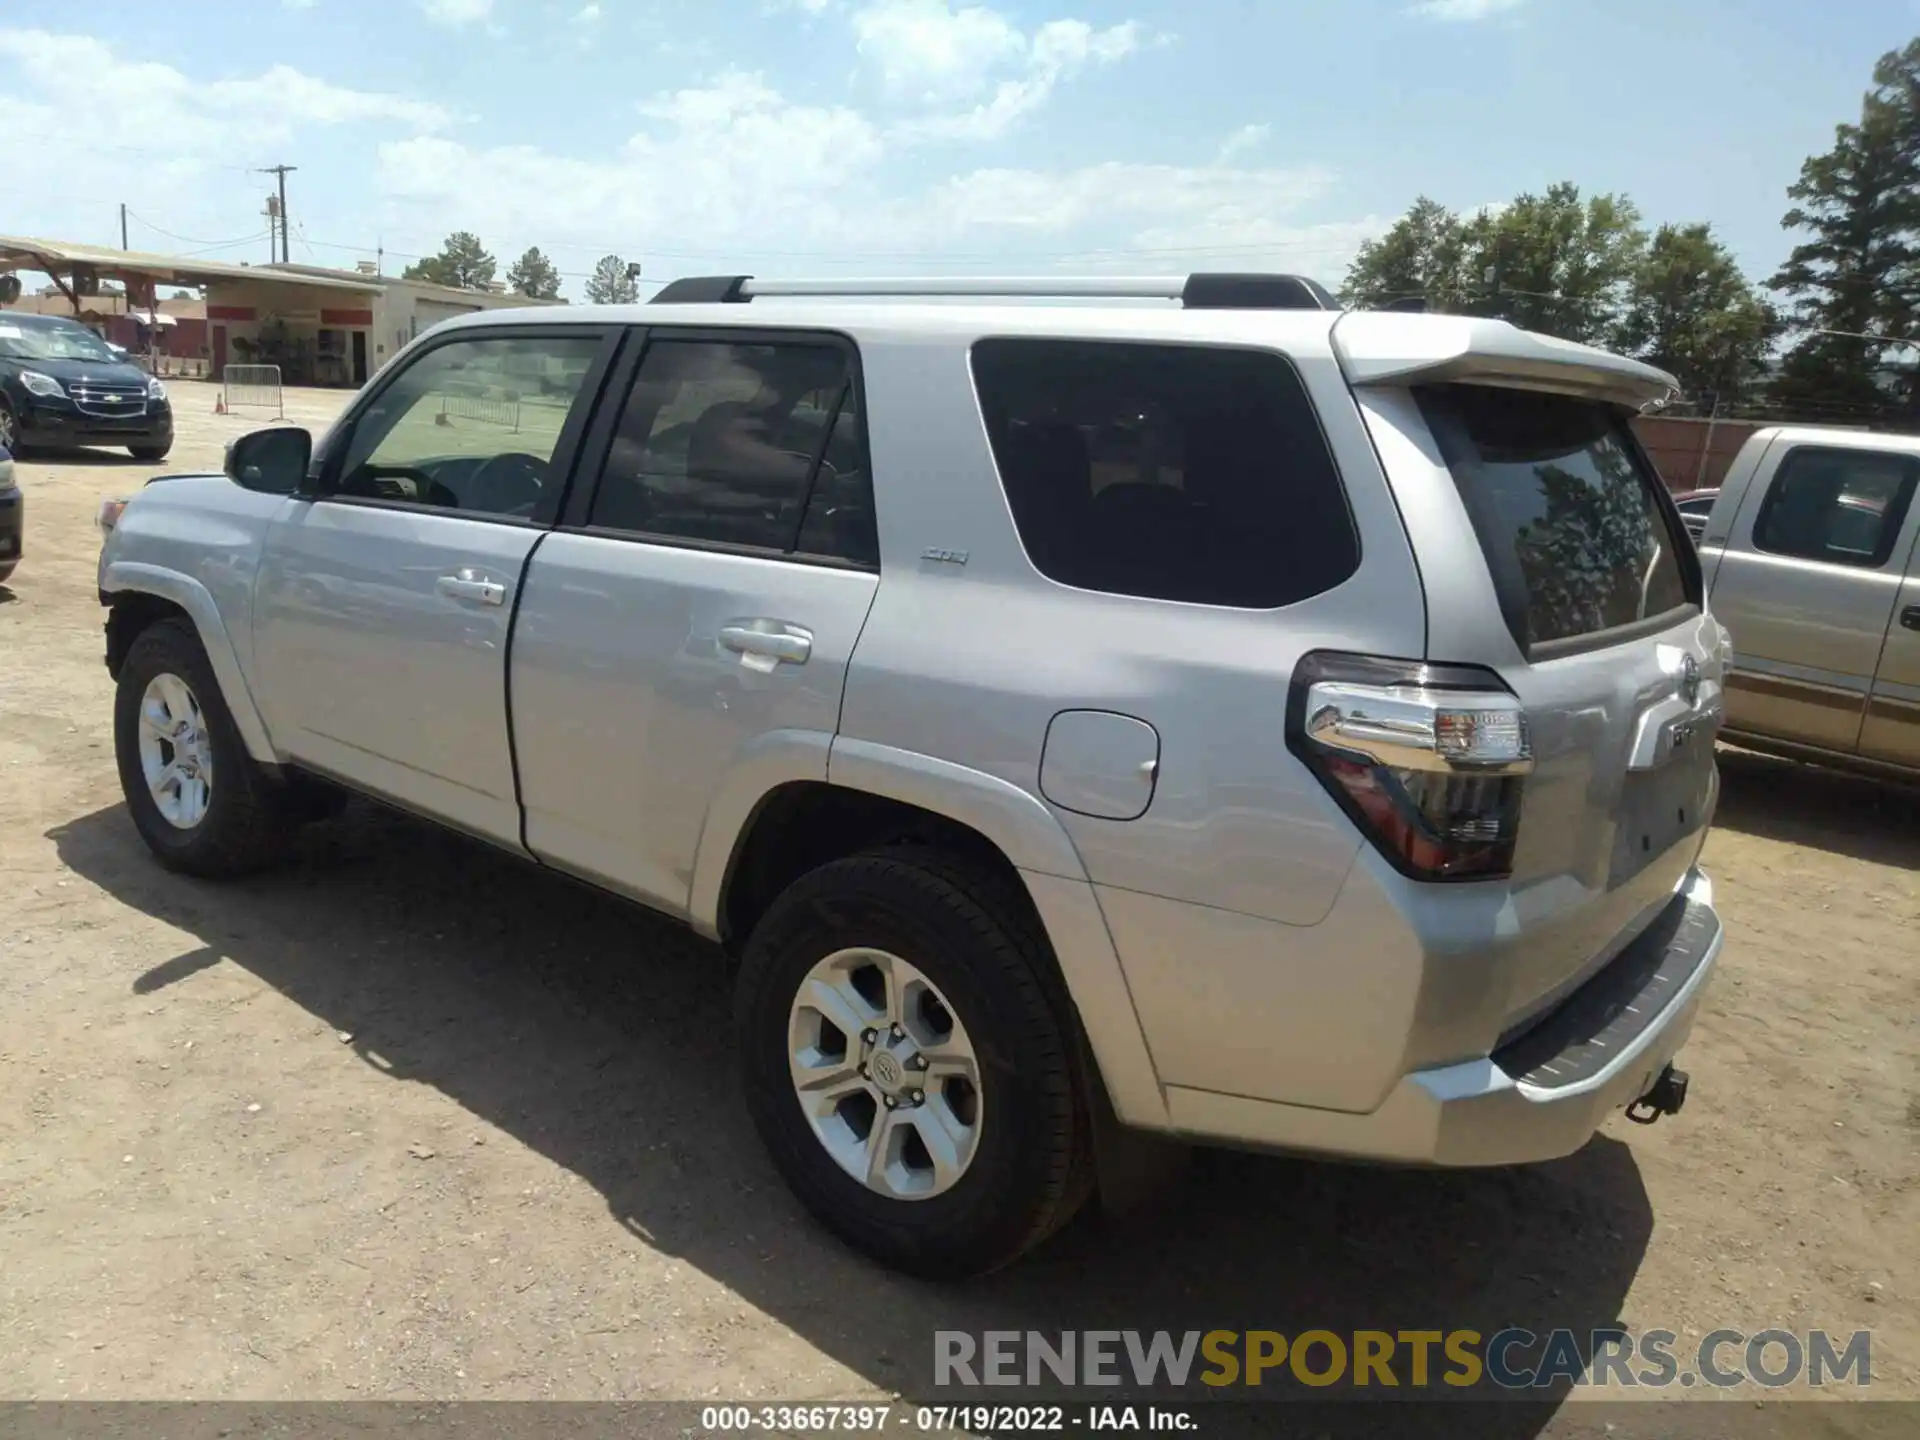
[906, 1068]
[149, 453]
[9, 428]
[197, 798]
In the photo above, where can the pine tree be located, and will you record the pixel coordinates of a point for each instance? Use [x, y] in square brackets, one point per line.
[612, 284]
[533, 276]
[1855, 274]
[463, 263]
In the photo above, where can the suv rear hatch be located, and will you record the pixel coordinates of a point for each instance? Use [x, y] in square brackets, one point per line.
[1554, 563]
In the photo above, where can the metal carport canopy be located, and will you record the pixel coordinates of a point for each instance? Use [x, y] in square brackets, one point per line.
[59, 258]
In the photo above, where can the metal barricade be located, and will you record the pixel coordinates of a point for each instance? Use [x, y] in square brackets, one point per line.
[255, 385]
[483, 408]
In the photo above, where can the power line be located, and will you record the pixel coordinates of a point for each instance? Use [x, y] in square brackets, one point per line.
[189, 239]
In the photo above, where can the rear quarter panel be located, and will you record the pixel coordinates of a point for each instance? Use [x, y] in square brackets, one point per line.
[1213, 895]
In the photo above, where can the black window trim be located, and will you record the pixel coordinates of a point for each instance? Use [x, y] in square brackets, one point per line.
[1890, 538]
[1160, 343]
[325, 471]
[598, 443]
[1680, 543]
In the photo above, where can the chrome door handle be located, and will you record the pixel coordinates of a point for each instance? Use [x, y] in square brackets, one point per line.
[472, 585]
[768, 639]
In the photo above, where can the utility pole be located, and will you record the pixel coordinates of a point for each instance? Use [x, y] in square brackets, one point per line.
[286, 252]
[123, 225]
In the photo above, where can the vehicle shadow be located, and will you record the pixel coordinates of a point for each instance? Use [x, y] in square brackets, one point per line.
[599, 1036]
[7, 597]
[86, 455]
[1877, 821]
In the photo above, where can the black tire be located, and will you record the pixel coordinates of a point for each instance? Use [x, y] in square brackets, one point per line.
[247, 824]
[957, 924]
[149, 453]
[9, 429]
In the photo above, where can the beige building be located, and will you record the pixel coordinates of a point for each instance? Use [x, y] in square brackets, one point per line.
[320, 326]
[350, 322]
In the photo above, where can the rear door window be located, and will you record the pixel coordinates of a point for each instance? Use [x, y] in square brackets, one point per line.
[1566, 509]
[1843, 507]
[752, 445]
[1172, 472]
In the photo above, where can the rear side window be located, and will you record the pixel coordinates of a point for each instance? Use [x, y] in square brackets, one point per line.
[1171, 472]
[755, 445]
[1844, 507]
[1565, 507]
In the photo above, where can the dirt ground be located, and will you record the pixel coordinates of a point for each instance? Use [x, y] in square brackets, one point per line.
[409, 1120]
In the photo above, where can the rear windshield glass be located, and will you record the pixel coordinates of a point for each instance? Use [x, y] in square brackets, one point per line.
[1564, 507]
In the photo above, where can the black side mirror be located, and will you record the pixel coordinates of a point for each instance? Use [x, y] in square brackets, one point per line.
[273, 462]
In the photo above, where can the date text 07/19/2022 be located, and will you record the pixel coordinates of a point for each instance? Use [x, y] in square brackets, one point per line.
[942, 1419]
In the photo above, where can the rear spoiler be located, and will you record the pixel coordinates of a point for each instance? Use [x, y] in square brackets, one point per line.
[1378, 348]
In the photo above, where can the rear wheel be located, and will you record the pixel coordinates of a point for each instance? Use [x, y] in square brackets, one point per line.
[150, 453]
[906, 1068]
[197, 798]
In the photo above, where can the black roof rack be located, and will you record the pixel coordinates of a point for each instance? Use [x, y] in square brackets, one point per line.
[1195, 292]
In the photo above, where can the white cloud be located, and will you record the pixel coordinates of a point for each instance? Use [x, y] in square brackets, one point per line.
[174, 146]
[457, 12]
[143, 101]
[1465, 11]
[1247, 137]
[726, 171]
[929, 54]
[791, 187]
[927, 50]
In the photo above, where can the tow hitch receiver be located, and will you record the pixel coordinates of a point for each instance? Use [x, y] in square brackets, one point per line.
[1664, 1097]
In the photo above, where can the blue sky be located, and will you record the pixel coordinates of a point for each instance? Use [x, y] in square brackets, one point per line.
[901, 136]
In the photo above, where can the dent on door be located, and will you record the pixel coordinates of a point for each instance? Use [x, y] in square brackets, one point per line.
[1099, 763]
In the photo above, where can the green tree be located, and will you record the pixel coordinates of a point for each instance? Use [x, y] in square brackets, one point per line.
[533, 276]
[1691, 312]
[612, 283]
[1555, 263]
[463, 263]
[1854, 275]
[1423, 256]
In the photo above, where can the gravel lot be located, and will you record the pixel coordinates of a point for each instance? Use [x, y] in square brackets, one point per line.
[410, 1120]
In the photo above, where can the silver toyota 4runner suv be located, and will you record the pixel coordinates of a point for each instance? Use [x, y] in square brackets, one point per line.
[1193, 709]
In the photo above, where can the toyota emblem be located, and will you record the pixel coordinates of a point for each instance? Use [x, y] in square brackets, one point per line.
[1690, 680]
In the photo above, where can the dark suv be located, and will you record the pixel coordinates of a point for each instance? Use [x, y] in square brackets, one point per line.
[62, 386]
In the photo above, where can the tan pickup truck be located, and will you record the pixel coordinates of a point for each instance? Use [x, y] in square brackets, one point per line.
[1810, 558]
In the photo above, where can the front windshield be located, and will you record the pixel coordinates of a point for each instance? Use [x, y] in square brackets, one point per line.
[52, 340]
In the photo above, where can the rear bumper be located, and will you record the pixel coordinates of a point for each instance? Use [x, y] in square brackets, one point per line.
[1539, 1096]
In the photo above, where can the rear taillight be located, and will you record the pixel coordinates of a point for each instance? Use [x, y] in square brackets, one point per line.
[1429, 760]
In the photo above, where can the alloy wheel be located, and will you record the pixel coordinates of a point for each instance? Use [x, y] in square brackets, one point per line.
[176, 751]
[885, 1074]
